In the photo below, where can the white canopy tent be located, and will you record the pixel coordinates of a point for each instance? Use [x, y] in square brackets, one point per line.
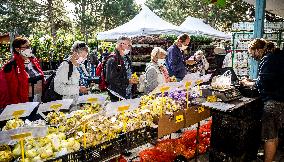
[195, 24]
[145, 23]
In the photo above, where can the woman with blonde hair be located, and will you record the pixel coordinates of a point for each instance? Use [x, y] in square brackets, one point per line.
[271, 88]
[156, 72]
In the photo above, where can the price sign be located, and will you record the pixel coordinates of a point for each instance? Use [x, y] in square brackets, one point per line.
[212, 98]
[123, 108]
[18, 113]
[55, 106]
[92, 100]
[187, 85]
[179, 118]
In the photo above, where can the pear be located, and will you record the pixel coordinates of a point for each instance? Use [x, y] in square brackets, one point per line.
[31, 153]
[17, 150]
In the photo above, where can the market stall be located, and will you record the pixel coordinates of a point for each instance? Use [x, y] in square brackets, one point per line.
[144, 23]
[100, 130]
[195, 24]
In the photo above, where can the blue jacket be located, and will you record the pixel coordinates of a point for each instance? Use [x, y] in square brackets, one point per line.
[270, 81]
[175, 62]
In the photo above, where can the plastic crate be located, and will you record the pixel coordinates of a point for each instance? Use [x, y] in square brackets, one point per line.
[71, 157]
[140, 137]
[104, 150]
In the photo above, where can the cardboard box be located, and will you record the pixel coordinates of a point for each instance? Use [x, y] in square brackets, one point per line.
[168, 124]
[192, 116]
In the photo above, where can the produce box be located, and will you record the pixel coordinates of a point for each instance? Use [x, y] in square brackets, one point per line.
[195, 114]
[168, 124]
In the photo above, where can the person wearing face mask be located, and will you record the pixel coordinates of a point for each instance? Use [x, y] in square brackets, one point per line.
[119, 71]
[199, 62]
[20, 74]
[156, 72]
[271, 89]
[69, 87]
[175, 60]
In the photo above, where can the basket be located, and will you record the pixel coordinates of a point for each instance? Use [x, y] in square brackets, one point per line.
[74, 157]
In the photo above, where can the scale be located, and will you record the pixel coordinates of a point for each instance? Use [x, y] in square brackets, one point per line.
[228, 94]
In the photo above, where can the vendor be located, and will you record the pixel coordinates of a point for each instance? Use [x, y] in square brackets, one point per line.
[156, 72]
[271, 88]
[22, 77]
[198, 63]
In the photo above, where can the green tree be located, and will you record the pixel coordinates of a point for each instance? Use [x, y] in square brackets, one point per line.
[19, 15]
[220, 17]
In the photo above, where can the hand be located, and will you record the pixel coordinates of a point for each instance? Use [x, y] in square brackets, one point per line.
[133, 80]
[83, 90]
[246, 82]
[190, 62]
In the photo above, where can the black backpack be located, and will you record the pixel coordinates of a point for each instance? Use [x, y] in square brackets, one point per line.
[48, 93]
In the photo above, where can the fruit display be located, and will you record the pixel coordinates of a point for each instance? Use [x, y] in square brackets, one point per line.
[5, 153]
[13, 124]
[55, 118]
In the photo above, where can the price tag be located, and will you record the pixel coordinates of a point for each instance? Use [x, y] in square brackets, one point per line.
[55, 106]
[18, 113]
[179, 118]
[92, 99]
[123, 108]
[164, 89]
[199, 82]
[21, 136]
[211, 98]
[200, 109]
[187, 85]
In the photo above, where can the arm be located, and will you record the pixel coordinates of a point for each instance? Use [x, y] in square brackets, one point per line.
[175, 60]
[151, 80]
[61, 82]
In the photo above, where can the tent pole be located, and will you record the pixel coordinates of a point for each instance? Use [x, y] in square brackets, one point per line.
[257, 33]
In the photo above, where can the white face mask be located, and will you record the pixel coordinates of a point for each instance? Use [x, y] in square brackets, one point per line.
[27, 53]
[161, 61]
[81, 60]
[126, 51]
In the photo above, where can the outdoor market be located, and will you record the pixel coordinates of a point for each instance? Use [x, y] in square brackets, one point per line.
[142, 80]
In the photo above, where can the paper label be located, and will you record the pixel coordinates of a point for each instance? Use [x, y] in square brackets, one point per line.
[179, 118]
[20, 110]
[18, 113]
[200, 109]
[21, 136]
[55, 105]
[187, 85]
[100, 99]
[123, 108]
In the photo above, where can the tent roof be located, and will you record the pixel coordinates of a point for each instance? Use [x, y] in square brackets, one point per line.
[145, 23]
[195, 24]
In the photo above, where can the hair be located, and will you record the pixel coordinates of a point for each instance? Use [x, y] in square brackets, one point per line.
[262, 46]
[183, 37]
[79, 46]
[155, 51]
[198, 52]
[18, 42]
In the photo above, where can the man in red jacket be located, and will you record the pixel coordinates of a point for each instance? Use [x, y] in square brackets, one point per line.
[18, 73]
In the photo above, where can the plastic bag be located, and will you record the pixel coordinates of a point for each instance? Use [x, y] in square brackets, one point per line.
[222, 81]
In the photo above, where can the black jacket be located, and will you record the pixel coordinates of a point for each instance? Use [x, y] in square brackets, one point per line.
[270, 81]
[116, 76]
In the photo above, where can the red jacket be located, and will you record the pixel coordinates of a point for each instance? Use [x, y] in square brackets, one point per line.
[14, 84]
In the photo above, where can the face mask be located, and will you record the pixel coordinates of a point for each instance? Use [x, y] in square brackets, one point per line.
[81, 60]
[126, 51]
[27, 53]
[161, 61]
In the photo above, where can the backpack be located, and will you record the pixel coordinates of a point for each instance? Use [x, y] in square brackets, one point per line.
[101, 72]
[48, 93]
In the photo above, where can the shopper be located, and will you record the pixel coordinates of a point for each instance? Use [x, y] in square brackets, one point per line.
[156, 72]
[69, 87]
[175, 60]
[94, 61]
[20, 74]
[200, 63]
[119, 71]
[271, 88]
